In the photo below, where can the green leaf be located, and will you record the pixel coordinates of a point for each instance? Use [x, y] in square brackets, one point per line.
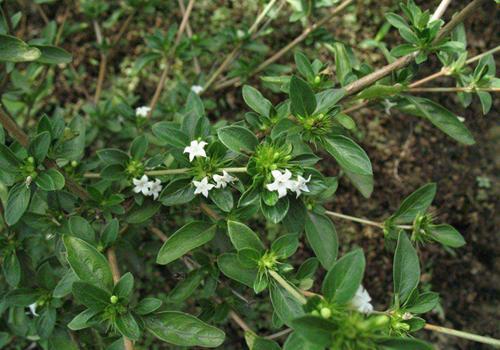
[415, 203]
[254, 99]
[91, 296]
[285, 305]
[65, 284]
[285, 245]
[222, 198]
[53, 55]
[127, 326]
[39, 146]
[442, 118]
[113, 156]
[7, 158]
[322, 238]
[81, 228]
[243, 237]
[425, 302]
[50, 180]
[185, 239]
[139, 147]
[87, 263]
[186, 287]
[81, 321]
[17, 203]
[11, 269]
[344, 278]
[486, 101]
[147, 306]
[46, 322]
[303, 100]
[296, 342]
[277, 212]
[238, 139]
[304, 66]
[231, 266]
[110, 233]
[170, 134]
[348, 154]
[446, 235]
[406, 269]
[14, 50]
[184, 330]
[396, 20]
[315, 330]
[363, 183]
[21, 297]
[328, 99]
[255, 342]
[124, 287]
[143, 213]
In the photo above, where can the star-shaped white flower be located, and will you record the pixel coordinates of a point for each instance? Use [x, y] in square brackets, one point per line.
[197, 89]
[32, 308]
[155, 188]
[388, 106]
[142, 112]
[281, 182]
[196, 149]
[361, 301]
[221, 181]
[300, 185]
[142, 185]
[202, 186]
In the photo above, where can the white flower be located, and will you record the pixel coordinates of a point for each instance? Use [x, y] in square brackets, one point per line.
[221, 181]
[388, 106]
[281, 182]
[361, 301]
[32, 308]
[155, 188]
[462, 119]
[196, 149]
[197, 89]
[142, 112]
[142, 185]
[202, 186]
[300, 185]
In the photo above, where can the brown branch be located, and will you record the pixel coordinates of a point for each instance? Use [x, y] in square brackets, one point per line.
[305, 33]
[13, 129]
[10, 27]
[164, 74]
[189, 31]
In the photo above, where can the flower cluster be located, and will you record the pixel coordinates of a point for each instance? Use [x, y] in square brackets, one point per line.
[221, 181]
[283, 182]
[142, 112]
[148, 188]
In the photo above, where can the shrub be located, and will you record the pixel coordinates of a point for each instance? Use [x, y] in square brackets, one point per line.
[84, 188]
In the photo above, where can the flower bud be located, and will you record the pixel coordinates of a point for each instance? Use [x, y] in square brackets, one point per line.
[31, 160]
[113, 299]
[317, 79]
[326, 312]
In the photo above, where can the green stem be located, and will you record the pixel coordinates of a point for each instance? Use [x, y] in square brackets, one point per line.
[364, 221]
[170, 172]
[289, 288]
[464, 335]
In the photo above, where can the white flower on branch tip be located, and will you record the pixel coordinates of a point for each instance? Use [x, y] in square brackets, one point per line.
[202, 186]
[300, 185]
[142, 185]
[155, 188]
[142, 112]
[32, 308]
[361, 301]
[221, 181]
[196, 149]
[281, 182]
[197, 89]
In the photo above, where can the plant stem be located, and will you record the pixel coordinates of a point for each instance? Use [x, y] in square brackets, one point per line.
[115, 271]
[355, 219]
[310, 28]
[189, 33]
[164, 74]
[464, 335]
[170, 172]
[289, 288]
[451, 89]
